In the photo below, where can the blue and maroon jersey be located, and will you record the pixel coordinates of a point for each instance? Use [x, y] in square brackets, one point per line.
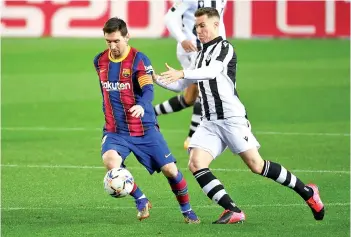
[124, 83]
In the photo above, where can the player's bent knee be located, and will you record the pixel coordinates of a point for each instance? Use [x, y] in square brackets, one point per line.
[170, 170]
[199, 159]
[192, 167]
[195, 165]
[112, 159]
[253, 160]
[256, 169]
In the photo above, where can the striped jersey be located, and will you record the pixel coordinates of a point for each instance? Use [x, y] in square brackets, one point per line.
[187, 9]
[219, 97]
[125, 83]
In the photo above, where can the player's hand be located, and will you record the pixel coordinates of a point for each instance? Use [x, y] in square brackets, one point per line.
[188, 46]
[171, 75]
[155, 77]
[137, 111]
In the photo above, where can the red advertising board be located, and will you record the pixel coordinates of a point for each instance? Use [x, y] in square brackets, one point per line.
[243, 18]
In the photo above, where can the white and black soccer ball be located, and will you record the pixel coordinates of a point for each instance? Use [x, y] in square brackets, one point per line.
[118, 182]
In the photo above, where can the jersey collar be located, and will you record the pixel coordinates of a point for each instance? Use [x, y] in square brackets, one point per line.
[121, 58]
[214, 41]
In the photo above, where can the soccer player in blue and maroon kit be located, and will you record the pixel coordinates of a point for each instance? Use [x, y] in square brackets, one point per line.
[125, 77]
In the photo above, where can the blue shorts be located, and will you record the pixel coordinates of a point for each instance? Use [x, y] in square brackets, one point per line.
[151, 150]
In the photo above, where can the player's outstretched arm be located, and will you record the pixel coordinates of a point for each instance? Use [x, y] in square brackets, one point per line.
[172, 80]
[176, 86]
[204, 73]
[208, 72]
[222, 54]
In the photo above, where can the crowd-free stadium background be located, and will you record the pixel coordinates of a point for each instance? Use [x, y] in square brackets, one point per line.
[293, 76]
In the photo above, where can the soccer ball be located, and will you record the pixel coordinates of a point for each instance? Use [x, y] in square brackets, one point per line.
[118, 182]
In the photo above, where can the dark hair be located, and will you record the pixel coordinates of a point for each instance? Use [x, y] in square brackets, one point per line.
[115, 24]
[209, 11]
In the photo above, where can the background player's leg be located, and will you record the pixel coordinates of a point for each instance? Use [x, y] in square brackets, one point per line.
[279, 174]
[178, 102]
[174, 104]
[195, 121]
[195, 118]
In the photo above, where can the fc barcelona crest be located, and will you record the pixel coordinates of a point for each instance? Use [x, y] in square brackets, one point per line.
[126, 72]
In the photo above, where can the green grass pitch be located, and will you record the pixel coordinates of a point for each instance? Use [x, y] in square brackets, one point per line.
[297, 96]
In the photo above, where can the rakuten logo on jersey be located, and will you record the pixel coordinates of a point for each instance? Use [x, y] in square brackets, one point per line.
[115, 86]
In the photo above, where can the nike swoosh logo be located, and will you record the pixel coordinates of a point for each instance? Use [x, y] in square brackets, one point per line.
[102, 70]
[166, 156]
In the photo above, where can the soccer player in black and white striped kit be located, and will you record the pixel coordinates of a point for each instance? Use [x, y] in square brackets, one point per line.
[224, 122]
[180, 22]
